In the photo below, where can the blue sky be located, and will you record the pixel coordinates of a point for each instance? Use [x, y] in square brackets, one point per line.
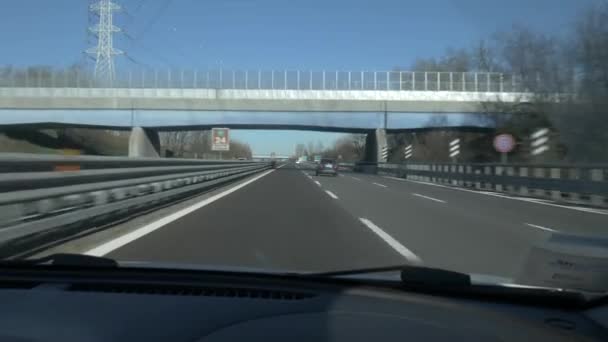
[272, 34]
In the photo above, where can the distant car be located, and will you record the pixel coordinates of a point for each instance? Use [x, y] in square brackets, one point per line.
[273, 164]
[327, 166]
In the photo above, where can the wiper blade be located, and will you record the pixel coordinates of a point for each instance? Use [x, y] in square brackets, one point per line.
[410, 275]
[66, 259]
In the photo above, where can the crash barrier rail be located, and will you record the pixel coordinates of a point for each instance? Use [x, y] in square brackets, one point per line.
[577, 184]
[41, 208]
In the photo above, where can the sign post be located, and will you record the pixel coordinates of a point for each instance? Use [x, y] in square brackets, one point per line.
[220, 140]
[504, 143]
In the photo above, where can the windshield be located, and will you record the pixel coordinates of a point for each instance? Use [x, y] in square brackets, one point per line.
[313, 136]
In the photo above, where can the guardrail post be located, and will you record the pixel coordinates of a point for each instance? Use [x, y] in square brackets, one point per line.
[323, 86]
[438, 81]
[451, 81]
[375, 80]
[310, 80]
[349, 81]
[488, 85]
[464, 81]
[400, 80]
[501, 83]
[597, 175]
[426, 81]
[512, 83]
[362, 78]
[413, 80]
[337, 88]
[476, 83]
[388, 80]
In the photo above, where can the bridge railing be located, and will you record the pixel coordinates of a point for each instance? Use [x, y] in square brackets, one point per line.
[275, 80]
[578, 184]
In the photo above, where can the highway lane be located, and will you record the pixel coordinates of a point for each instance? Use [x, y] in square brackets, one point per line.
[465, 231]
[292, 220]
[281, 221]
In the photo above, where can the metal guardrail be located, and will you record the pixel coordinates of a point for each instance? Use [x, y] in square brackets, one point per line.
[38, 209]
[276, 80]
[577, 184]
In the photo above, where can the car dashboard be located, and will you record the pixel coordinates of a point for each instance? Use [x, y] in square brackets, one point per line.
[134, 305]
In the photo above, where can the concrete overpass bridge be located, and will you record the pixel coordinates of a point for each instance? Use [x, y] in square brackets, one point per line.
[364, 102]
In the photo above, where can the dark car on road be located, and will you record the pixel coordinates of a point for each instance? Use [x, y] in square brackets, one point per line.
[327, 167]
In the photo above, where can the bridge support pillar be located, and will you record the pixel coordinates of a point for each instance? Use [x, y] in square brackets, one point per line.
[376, 146]
[144, 143]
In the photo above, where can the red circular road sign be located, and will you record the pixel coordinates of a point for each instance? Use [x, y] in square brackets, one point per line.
[504, 143]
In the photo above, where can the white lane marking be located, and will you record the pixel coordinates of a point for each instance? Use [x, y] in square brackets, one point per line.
[355, 178]
[396, 245]
[317, 182]
[120, 241]
[281, 166]
[429, 198]
[341, 175]
[523, 199]
[541, 227]
[331, 194]
[382, 185]
[394, 178]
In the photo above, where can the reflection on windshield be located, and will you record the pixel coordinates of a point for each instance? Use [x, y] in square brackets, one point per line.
[475, 145]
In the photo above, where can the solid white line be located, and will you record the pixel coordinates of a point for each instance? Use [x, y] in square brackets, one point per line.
[355, 178]
[149, 228]
[317, 182]
[331, 194]
[429, 198]
[542, 228]
[396, 245]
[394, 178]
[523, 199]
[382, 185]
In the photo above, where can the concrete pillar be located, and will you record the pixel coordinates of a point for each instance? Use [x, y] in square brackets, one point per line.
[144, 143]
[375, 143]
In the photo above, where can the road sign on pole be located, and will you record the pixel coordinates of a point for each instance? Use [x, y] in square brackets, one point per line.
[220, 139]
[409, 150]
[504, 143]
[539, 141]
[454, 148]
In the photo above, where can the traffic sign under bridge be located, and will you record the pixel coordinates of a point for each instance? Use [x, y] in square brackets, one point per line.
[220, 139]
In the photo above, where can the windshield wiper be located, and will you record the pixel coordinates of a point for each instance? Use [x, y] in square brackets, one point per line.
[410, 275]
[67, 260]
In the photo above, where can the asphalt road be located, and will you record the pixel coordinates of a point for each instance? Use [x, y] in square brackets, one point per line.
[289, 219]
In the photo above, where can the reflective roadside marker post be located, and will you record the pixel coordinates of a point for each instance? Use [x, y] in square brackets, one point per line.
[539, 141]
[384, 154]
[454, 149]
[504, 143]
[409, 151]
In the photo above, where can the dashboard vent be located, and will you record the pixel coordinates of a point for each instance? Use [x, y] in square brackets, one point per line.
[19, 285]
[230, 292]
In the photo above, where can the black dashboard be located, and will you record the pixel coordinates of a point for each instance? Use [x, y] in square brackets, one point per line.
[146, 305]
